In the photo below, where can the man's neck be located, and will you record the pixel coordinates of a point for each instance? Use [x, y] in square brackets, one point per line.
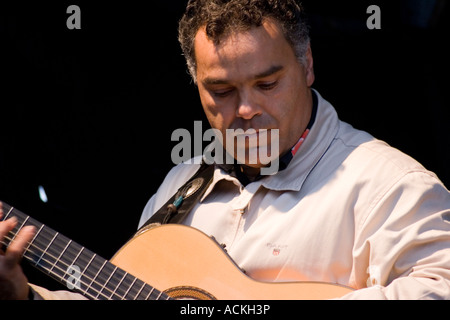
[247, 174]
[251, 172]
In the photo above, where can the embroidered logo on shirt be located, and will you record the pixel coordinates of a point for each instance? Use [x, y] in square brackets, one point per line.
[276, 248]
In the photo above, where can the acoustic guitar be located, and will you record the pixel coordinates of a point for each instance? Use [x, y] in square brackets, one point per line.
[178, 261]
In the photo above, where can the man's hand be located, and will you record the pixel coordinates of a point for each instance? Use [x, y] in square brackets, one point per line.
[13, 282]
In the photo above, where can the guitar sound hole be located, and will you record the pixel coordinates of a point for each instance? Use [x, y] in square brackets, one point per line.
[189, 293]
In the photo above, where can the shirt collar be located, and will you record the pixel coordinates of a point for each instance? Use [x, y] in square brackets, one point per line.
[286, 158]
[313, 148]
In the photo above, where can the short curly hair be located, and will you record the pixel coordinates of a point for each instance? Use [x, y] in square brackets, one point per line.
[222, 17]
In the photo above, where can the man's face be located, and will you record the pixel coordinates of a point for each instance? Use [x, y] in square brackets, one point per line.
[253, 80]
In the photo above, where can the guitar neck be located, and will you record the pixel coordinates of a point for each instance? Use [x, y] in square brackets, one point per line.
[75, 266]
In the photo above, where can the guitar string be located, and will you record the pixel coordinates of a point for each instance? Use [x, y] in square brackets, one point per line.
[36, 239]
[57, 267]
[93, 281]
[113, 293]
[48, 270]
[55, 242]
[32, 244]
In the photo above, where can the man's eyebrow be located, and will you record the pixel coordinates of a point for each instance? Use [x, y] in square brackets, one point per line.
[266, 73]
[272, 70]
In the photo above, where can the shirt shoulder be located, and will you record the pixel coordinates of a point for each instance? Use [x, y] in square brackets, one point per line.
[378, 153]
[175, 178]
[378, 173]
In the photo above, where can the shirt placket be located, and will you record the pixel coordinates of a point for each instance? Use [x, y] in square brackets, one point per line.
[240, 205]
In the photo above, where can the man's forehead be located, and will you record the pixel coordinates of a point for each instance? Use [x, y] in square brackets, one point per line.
[256, 51]
[229, 40]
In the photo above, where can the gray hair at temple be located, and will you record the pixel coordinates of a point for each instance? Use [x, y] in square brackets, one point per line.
[222, 17]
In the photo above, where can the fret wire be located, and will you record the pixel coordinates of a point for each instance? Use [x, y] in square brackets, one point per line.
[73, 252]
[101, 269]
[82, 248]
[87, 266]
[115, 282]
[60, 255]
[139, 292]
[46, 248]
[116, 295]
[98, 272]
[145, 293]
[48, 238]
[21, 226]
[99, 292]
[118, 285]
[150, 295]
[39, 238]
[50, 271]
[41, 253]
[32, 240]
[151, 291]
[107, 280]
[84, 269]
[56, 240]
[129, 288]
[158, 294]
[46, 269]
[80, 257]
[91, 270]
[55, 249]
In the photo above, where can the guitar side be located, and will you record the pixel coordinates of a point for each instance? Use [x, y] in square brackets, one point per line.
[185, 263]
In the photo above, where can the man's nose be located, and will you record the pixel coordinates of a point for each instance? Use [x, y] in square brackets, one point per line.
[248, 107]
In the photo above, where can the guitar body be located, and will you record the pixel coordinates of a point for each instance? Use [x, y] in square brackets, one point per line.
[168, 261]
[185, 263]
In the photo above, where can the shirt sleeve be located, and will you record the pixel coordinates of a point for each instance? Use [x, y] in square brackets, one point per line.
[40, 293]
[402, 247]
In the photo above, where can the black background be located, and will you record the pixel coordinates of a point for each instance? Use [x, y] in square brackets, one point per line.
[89, 113]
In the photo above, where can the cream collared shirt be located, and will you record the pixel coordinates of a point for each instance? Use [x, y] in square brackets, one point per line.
[348, 209]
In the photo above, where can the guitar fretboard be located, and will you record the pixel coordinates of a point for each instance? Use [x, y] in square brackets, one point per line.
[78, 268]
